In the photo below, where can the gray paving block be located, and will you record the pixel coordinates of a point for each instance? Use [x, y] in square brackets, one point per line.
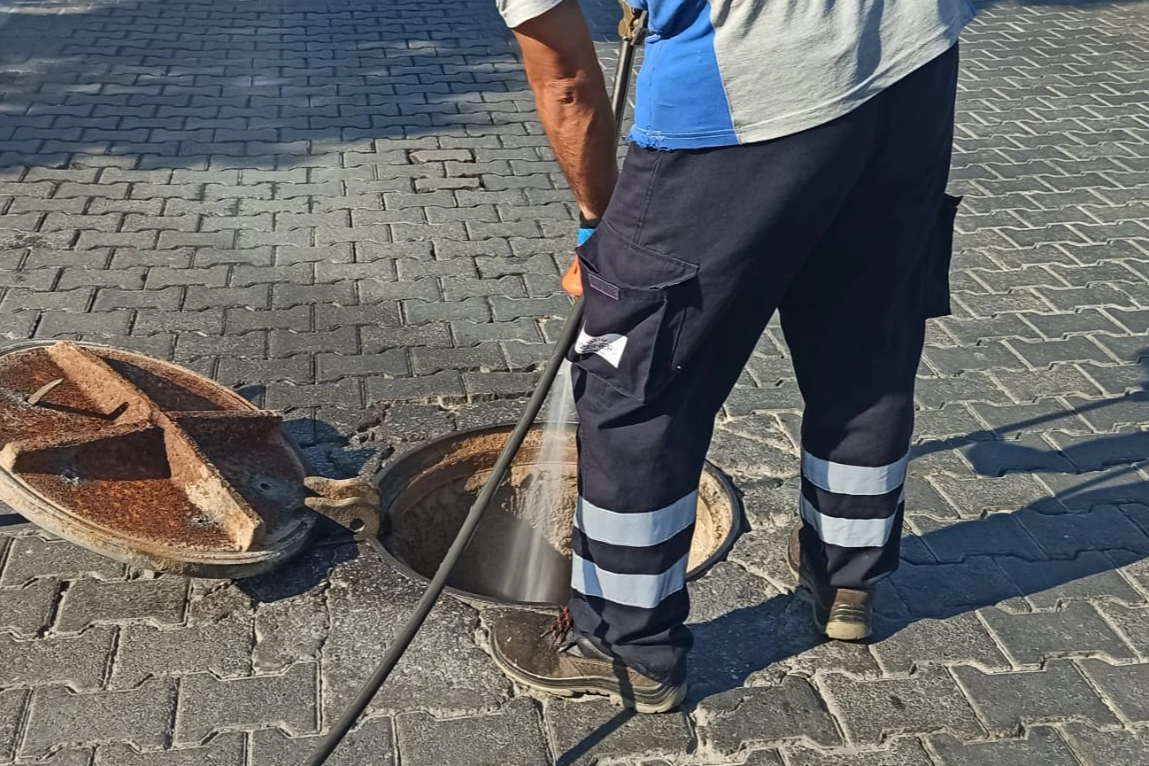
[12, 703]
[285, 343]
[289, 630]
[79, 661]
[244, 319]
[592, 730]
[58, 717]
[1091, 575]
[989, 357]
[344, 393]
[390, 363]
[1094, 453]
[901, 649]
[901, 751]
[1041, 746]
[1008, 701]
[515, 734]
[1131, 622]
[1060, 379]
[381, 317]
[224, 750]
[944, 590]
[80, 757]
[474, 309]
[443, 672]
[224, 648]
[1076, 630]
[996, 534]
[1066, 535]
[485, 357]
[27, 611]
[371, 742]
[209, 704]
[741, 719]
[1106, 748]
[161, 601]
[928, 701]
[972, 497]
[1126, 686]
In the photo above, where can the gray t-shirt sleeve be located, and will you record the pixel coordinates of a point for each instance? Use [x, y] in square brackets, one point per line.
[516, 12]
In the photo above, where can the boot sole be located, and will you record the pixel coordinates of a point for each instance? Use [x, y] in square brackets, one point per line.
[661, 700]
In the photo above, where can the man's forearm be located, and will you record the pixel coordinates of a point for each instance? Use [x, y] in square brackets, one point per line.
[573, 105]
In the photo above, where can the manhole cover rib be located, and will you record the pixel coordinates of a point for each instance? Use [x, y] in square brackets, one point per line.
[147, 462]
[426, 493]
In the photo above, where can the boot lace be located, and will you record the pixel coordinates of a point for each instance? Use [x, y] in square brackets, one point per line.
[560, 633]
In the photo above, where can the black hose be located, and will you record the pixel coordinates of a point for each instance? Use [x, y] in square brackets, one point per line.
[332, 739]
[434, 589]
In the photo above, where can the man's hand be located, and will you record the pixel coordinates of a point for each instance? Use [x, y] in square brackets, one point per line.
[573, 105]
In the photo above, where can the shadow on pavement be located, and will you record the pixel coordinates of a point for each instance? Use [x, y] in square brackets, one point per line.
[1061, 547]
[203, 85]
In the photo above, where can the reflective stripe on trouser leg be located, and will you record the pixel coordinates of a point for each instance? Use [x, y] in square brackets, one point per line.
[855, 513]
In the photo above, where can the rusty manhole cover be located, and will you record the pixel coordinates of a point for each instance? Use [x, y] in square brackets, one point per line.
[147, 462]
[425, 494]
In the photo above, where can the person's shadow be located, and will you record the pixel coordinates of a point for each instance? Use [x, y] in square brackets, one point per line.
[1043, 552]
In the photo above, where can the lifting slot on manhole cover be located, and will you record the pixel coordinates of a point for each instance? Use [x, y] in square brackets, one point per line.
[149, 463]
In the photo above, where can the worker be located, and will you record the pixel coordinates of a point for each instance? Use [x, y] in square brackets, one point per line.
[786, 155]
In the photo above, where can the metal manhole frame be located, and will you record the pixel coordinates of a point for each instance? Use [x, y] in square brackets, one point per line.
[163, 558]
[729, 491]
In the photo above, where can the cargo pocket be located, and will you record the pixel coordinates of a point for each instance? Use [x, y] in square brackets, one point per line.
[937, 263]
[633, 300]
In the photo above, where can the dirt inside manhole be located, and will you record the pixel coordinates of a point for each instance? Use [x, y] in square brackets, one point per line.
[426, 494]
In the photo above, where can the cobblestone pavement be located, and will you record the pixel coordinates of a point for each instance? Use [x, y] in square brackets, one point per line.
[346, 209]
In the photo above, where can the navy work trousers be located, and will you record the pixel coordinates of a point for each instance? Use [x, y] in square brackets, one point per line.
[845, 230]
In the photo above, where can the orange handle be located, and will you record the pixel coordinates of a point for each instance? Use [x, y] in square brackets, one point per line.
[572, 280]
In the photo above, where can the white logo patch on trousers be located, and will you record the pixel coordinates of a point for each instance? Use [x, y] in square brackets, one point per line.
[609, 347]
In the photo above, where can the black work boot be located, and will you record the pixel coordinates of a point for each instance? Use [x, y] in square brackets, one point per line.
[547, 654]
[842, 614]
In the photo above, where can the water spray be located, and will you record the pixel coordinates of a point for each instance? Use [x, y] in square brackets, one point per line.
[630, 30]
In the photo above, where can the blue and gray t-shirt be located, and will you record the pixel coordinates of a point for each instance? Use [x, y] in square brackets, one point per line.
[723, 72]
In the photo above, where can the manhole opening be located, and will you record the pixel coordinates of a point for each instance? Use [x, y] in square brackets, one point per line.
[425, 496]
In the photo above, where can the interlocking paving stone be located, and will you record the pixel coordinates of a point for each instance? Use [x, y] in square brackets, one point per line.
[208, 704]
[371, 742]
[735, 720]
[223, 750]
[1118, 747]
[515, 734]
[995, 534]
[222, 647]
[1077, 629]
[1132, 622]
[943, 590]
[1127, 686]
[902, 751]
[12, 705]
[32, 557]
[90, 602]
[928, 701]
[443, 672]
[1041, 746]
[79, 661]
[577, 728]
[60, 717]
[1007, 701]
[900, 648]
[26, 611]
[1090, 575]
